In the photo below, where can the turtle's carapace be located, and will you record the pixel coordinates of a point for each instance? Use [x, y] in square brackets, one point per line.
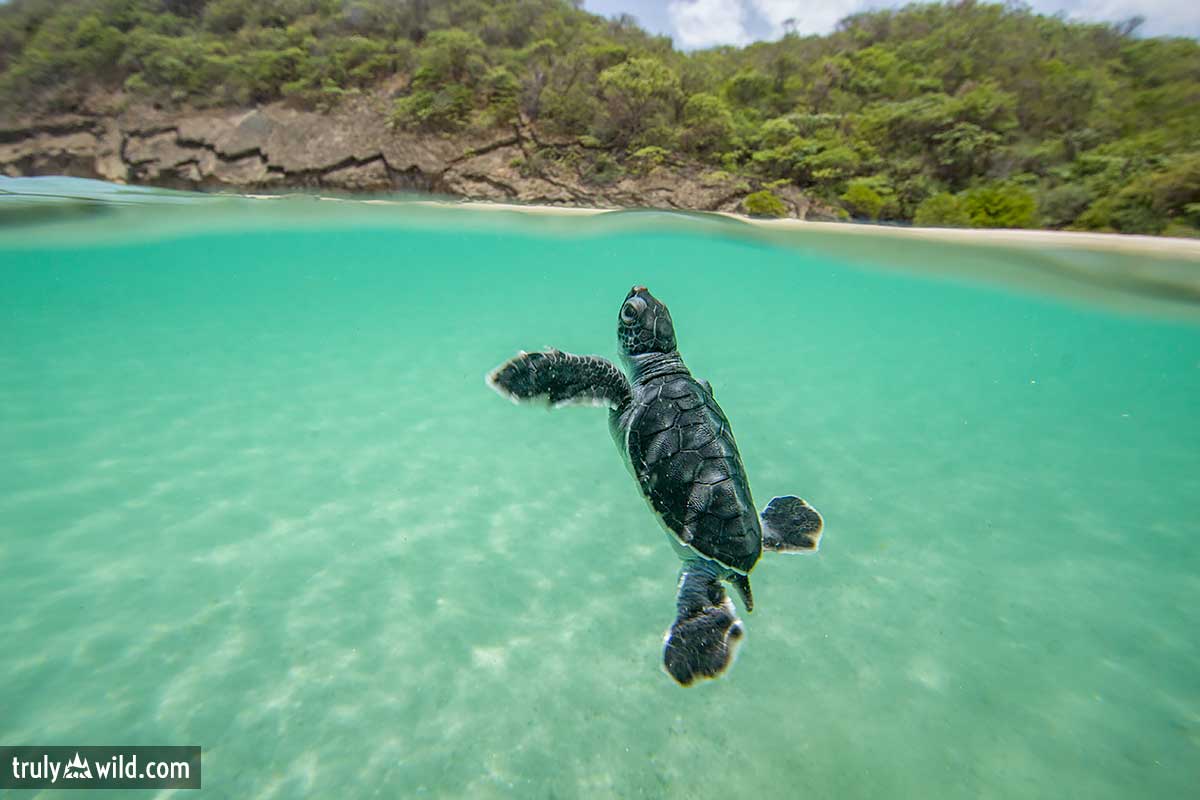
[680, 448]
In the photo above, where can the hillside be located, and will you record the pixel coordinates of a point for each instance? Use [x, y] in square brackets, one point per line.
[966, 114]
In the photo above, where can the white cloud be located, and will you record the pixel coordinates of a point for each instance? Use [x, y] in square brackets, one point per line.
[808, 17]
[1163, 17]
[704, 23]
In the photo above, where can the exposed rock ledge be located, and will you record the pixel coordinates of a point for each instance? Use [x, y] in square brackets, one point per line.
[275, 147]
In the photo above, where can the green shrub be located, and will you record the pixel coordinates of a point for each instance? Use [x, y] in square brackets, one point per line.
[1149, 203]
[1181, 231]
[446, 109]
[942, 211]
[536, 165]
[603, 170]
[1175, 190]
[1060, 206]
[714, 178]
[776, 132]
[647, 158]
[764, 203]
[324, 97]
[832, 163]
[1131, 210]
[862, 201]
[1001, 205]
[1097, 216]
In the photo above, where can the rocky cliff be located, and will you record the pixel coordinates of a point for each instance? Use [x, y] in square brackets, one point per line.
[274, 147]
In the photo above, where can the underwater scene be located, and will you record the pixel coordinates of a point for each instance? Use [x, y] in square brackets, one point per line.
[257, 496]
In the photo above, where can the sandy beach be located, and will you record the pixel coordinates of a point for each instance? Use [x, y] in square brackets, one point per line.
[1125, 243]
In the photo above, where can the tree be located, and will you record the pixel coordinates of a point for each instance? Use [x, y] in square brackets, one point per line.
[748, 88]
[639, 94]
[956, 113]
[708, 125]
[451, 57]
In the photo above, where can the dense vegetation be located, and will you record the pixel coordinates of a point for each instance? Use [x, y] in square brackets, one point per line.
[962, 114]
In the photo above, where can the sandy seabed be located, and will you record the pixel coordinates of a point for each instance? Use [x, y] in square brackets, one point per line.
[257, 498]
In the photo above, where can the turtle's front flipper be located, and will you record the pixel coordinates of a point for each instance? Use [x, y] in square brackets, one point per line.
[561, 379]
[702, 641]
[791, 525]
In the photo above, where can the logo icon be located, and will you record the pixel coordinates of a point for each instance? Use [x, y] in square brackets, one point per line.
[77, 768]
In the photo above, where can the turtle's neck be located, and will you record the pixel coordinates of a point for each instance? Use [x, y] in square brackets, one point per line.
[655, 365]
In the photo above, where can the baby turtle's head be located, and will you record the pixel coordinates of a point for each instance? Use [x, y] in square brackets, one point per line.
[644, 325]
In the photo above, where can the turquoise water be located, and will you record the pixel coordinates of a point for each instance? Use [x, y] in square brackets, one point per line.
[256, 497]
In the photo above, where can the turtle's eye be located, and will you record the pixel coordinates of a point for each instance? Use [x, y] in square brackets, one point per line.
[632, 309]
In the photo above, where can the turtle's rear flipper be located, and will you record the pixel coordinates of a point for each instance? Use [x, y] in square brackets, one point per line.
[561, 379]
[791, 525]
[704, 638]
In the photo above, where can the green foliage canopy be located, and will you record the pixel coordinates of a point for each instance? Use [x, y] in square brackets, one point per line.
[969, 113]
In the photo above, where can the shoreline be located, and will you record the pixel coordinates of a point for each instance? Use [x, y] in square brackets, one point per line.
[1125, 242]
[277, 151]
[1122, 271]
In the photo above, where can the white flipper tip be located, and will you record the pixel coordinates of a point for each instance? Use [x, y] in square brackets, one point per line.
[698, 654]
[490, 381]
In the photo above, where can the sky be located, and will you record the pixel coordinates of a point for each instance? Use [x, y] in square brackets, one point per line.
[704, 23]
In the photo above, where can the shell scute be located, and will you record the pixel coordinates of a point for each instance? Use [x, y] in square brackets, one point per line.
[685, 467]
[714, 470]
[724, 502]
[663, 445]
[686, 461]
[657, 418]
[677, 389]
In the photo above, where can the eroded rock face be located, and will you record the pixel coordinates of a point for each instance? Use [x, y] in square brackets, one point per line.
[64, 145]
[276, 147]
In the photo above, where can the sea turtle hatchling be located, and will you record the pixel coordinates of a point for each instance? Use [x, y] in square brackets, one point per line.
[680, 448]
